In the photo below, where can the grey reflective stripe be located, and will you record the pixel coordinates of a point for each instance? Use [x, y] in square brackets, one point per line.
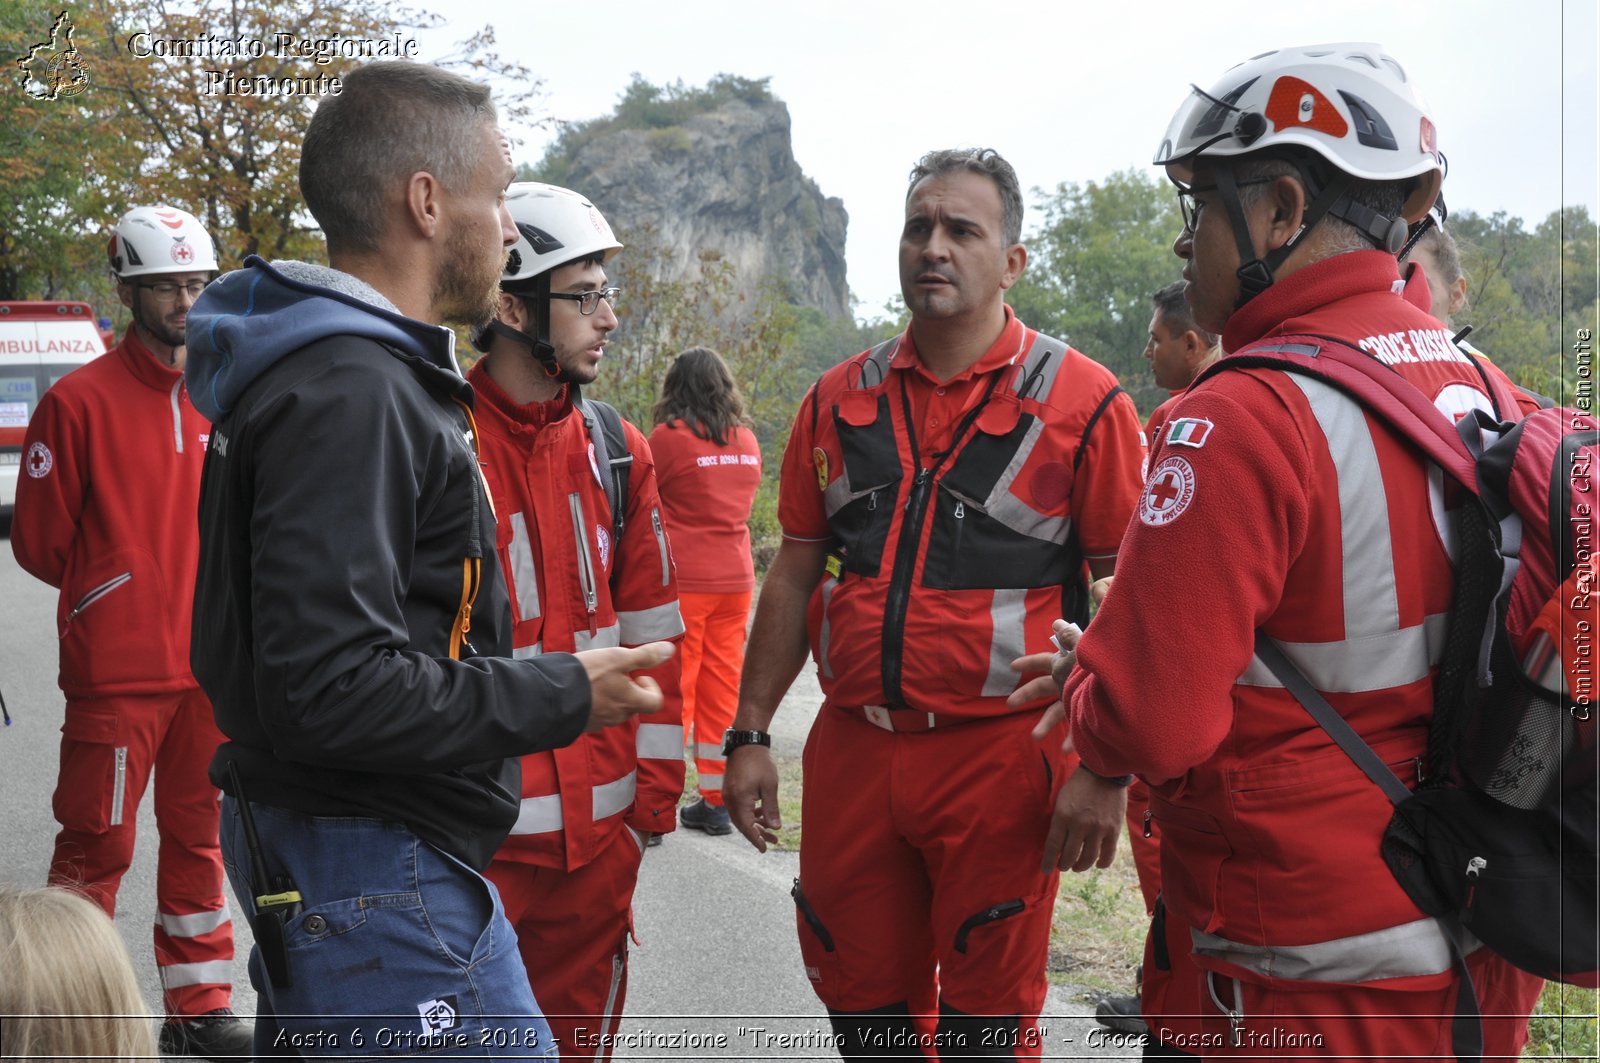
[709, 781]
[660, 741]
[212, 972]
[822, 633]
[1004, 505]
[1406, 951]
[1007, 613]
[638, 626]
[119, 782]
[619, 967]
[538, 815]
[524, 574]
[610, 635]
[177, 417]
[616, 796]
[1441, 517]
[1371, 601]
[591, 596]
[1043, 345]
[542, 815]
[837, 493]
[661, 547]
[1355, 666]
[708, 750]
[192, 926]
[522, 653]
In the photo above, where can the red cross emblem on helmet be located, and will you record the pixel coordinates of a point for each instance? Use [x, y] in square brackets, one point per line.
[182, 253]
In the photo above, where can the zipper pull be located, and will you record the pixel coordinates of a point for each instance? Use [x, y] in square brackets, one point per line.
[1148, 816]
[872, 501]
[961, 511]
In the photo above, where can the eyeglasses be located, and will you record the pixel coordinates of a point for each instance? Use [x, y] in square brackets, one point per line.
[167, 291]
[589, 302]
[1190, 208]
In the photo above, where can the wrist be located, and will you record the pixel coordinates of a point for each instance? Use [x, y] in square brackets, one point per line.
[736, 738]
[1113, 780]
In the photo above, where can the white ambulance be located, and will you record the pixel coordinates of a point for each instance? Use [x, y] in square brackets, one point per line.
[39, 344]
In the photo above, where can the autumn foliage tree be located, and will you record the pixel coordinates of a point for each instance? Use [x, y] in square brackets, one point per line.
[189, 123]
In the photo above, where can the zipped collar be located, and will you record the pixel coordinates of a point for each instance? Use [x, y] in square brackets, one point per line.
[1310, 288]
[143, 364]
[520, 422]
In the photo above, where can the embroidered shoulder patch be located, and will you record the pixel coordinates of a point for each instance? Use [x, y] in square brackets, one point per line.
[1189, 432]
[1168, 492]
[39, 461]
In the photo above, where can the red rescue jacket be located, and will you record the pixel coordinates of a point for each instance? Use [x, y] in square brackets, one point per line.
[553, 534]
[106, 513]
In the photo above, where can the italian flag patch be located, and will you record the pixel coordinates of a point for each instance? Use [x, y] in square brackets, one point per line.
[1188, 432]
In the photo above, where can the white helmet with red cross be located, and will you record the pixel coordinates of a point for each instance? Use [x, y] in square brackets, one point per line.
[1353, 104]
[161, 239]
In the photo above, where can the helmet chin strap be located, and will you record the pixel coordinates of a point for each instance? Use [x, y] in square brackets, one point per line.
[540, 347]
[1256, 273]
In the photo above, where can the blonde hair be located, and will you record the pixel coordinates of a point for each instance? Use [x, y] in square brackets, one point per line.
[67, 987]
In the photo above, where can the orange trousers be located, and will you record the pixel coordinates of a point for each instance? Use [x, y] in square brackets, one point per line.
[712, 652]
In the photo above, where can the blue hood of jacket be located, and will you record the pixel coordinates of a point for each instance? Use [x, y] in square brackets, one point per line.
[250, 318]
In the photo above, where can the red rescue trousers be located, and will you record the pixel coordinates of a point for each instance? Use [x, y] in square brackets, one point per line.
[572, 931]
[919, 866]
[712, 652]
[109, 747]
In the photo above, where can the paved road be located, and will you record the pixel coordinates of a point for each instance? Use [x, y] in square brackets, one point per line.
[717, 975]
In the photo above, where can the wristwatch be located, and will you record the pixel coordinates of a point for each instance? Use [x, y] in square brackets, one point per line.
[732, 740]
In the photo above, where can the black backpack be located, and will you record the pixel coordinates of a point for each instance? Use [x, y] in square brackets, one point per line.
[610, 452]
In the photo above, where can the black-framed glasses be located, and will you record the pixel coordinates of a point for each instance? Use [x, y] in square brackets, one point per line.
[166, 291]
[1190, 208]
[589, 302]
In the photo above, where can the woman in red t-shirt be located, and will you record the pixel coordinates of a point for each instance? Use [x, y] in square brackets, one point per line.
[708, 467]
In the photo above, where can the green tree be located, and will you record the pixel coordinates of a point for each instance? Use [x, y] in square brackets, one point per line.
[1099, 252]
[1528, 291]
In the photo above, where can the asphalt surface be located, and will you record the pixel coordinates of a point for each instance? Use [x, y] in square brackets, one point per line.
[717, 974]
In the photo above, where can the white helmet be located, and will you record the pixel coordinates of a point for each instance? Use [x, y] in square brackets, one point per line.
[554, 226]
[159, 240]
[1353, 104]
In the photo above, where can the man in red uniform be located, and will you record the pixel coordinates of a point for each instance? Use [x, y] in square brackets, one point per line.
[106, 513]
[567, 872]
[1178, 350]
[1292, 513]
[941, 495]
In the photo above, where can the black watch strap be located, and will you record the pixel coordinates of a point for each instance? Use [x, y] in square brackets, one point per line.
[732, 739]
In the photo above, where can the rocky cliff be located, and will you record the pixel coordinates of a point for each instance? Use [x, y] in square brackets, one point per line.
[724, 181]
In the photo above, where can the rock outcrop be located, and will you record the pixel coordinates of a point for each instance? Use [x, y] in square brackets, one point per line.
[726, 181]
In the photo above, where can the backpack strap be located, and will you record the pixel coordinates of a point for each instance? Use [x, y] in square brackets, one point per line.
[1466, 1028]
[611, 454]
[1380, 389]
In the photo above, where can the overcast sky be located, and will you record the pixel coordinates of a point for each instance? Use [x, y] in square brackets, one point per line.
[1066, 92]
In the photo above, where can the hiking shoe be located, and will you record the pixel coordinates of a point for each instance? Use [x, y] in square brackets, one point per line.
[713, 819]
[218, 1034]
[1120, 1013]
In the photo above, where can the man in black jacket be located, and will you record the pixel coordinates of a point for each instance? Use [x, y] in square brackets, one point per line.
[351, 626]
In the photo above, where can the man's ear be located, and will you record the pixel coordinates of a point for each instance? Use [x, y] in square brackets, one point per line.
[424, 203]
[1193, 344]
[512, 311]
[125, 293]
[1016, 262]
[1285, 203]
[1458, 296]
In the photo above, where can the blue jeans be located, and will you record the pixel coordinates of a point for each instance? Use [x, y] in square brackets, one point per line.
[397, 948]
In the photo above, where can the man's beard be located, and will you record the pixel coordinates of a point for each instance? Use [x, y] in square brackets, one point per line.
[467, 292]
[156, 325]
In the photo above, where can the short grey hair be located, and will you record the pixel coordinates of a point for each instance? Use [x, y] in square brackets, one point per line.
[990, 164]
[390, 120]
